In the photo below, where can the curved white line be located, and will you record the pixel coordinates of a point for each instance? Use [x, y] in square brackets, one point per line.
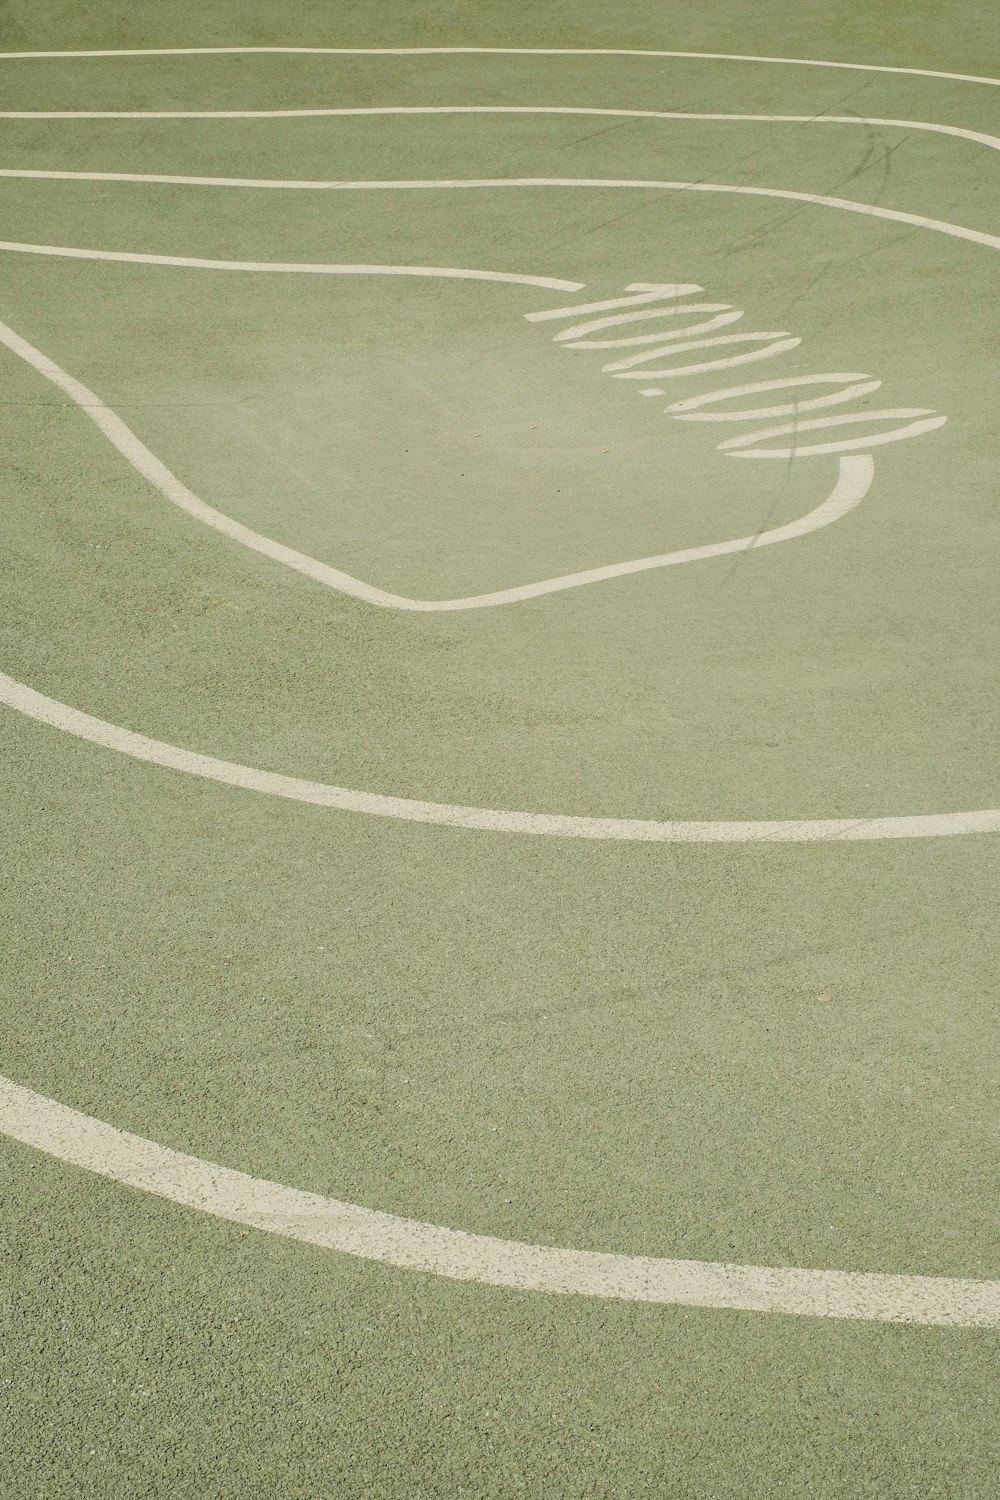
[690, 408]
[574, 338]
[637, 292]
[487, 820]
[624, 369]
[74, 1137]
[979, 137]
[746, 190]
[797, 62]
[446, 273]
[740, 446]
[47, 710]
[70, 1136]
[854, 480]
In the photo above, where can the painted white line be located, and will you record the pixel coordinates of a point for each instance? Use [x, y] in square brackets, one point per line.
[795, 62]
[487, 820]
[854, 481]
[978, 137]
[775, 343]
[691, 408]
[132, 1160]
[47, 710]
[445, 273]
[739, 447]
[662, 344]
[412, 1245]
[745, 190]
[727, 314]
[637, 292]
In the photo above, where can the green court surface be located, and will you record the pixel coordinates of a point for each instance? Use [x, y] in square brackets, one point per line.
[499, 712]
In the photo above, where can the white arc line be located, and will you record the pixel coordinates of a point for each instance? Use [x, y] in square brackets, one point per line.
[795, 62]
[853, 482]
[409, 1244]
[85, 726]
[321, 268]
[140, 747]
[149, 465]
[739, 446]
[746, 190]
[690, 409]
[76, 1138]
[980, 137]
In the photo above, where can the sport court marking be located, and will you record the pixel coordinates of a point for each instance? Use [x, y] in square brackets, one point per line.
[85, 726]
[853, 483]
[851, 477]
[979, 137]
[99, 1147]
[414, 1246]
[794, 62]
[487, 820]
[872, 210]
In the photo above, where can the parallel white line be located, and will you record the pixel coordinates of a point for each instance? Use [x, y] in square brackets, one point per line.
[132, 1160]
[853, 483]
[746, 190]
[68, 1135]
[36, 705]
[795, 62]
[447, 273]
[979, 137]
[488, 820]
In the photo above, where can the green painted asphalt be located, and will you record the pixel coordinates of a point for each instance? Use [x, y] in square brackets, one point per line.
[779, 1055]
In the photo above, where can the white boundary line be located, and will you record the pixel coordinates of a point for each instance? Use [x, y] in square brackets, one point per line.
[851, 486]
[74, 1137]
[547, 283]
[130, 446]
[794, 62]
[940, 1301]
[979, 137]
[36, 705]
[487, 820]
[853, 483]
[745, 190]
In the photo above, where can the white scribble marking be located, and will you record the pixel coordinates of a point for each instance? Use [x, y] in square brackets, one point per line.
[71, 1136]
[851, 487]
[669, 341]
[690, 408]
